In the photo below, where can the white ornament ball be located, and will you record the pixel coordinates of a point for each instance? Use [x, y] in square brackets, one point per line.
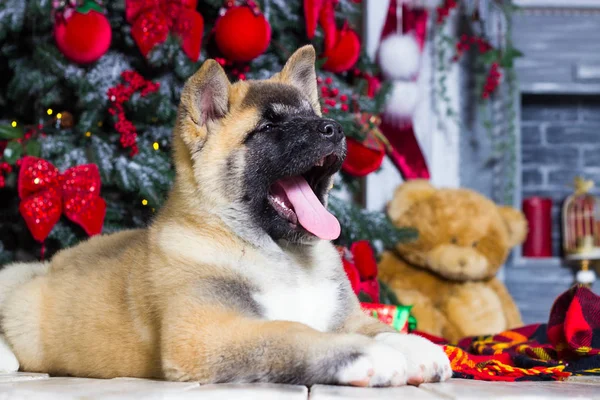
[402, 101]
[585, 277]
[399, 57]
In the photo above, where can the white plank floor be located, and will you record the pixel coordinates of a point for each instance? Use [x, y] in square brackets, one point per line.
[40, 386]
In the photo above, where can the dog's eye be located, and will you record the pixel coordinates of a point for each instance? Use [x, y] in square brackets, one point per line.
[475, 244]
[266, 127]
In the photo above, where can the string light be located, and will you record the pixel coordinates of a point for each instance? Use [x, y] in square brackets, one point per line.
[100, 124]
[59, 115]
[14, 124]
[155, 146]
[144, 202]
[88, 134]
[50, 111]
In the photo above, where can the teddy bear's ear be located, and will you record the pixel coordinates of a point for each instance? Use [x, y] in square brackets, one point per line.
[516, 224]
[406, 195]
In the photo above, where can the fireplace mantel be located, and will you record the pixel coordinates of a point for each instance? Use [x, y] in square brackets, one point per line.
[561, 43]
[558, 4]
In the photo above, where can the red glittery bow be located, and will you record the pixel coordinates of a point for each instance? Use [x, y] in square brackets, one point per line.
[152, 20]
[45, 193]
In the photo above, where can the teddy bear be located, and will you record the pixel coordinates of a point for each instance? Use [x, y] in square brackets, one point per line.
[449, 272]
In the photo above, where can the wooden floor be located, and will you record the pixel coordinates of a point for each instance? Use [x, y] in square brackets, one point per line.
[40, 386]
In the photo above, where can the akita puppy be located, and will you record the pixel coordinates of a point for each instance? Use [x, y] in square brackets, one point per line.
[235, 280]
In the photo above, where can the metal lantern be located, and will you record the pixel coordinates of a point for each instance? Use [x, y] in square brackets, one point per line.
[581, 229]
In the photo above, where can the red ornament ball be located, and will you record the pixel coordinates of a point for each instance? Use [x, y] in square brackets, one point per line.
[83, 37]
[241, 36]
[360, 160]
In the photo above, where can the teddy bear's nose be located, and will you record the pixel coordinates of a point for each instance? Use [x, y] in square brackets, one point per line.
[462, 262]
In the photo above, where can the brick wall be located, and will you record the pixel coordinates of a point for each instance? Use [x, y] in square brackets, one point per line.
[560, 138]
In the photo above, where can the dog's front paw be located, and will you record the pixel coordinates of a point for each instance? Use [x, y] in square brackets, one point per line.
[377, 365]
[8, 360]
[426, 361]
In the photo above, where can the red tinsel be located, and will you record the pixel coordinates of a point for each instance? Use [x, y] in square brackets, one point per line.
[492, 81]
[483, 46]
[4, 168]
[465, 42]
[443, 11]
[46, 193]
[122, 93]
[152, 20]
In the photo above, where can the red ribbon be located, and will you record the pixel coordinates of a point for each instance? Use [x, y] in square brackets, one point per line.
[46, 193]
[405, 151]
[152, 20]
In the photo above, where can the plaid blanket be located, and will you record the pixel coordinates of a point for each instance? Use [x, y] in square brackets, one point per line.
[569, 344]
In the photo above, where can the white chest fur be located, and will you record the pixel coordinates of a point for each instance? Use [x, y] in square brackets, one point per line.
[309, 301]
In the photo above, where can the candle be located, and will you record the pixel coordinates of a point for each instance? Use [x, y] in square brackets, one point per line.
[538, 212]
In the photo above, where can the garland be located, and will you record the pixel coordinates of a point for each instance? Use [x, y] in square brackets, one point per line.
[493, 69]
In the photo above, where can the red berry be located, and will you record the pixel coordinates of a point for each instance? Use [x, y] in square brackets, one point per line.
[344, 107]
[343, 97]
[242, 77]
[335, 92]
[325, 91]
[319, 81]
[325, 110]
[329, 81]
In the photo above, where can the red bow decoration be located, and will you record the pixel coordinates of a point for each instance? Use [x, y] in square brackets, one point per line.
[45, 193]
[152, 21]
[341, 46]
[361, 267]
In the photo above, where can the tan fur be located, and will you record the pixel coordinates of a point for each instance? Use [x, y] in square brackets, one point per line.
[134, 303]
[448, 273]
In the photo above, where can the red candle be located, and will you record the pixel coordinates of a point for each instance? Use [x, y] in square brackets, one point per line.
[538, 212]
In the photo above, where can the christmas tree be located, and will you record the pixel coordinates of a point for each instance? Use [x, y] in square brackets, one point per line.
[84, 83]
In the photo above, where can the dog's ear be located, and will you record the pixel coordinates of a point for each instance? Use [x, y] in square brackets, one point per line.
[206, 94]
[299, 71]
[204, 101]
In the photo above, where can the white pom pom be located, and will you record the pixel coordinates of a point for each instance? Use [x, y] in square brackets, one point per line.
[585, 277]
[399, 57]
[402, 101]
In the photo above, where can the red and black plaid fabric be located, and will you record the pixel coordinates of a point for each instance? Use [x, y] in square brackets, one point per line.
[569, 344]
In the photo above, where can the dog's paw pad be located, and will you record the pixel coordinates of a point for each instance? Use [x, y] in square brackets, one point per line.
[426, 361]
[379, 365]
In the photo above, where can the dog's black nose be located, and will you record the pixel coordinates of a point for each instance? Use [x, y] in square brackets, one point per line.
[331, 130]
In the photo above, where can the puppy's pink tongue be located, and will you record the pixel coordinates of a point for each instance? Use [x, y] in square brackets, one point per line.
[311, 213]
